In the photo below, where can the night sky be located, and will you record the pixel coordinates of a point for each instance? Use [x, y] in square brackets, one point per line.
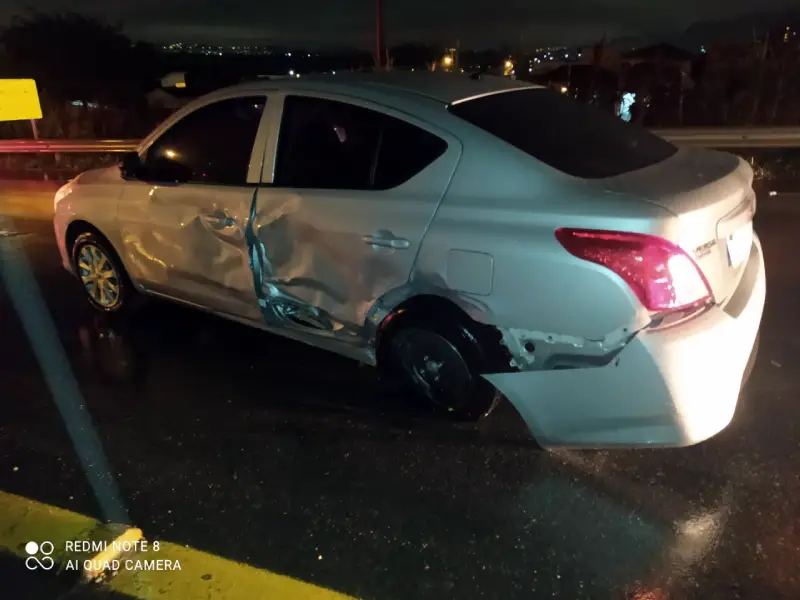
[478, 23]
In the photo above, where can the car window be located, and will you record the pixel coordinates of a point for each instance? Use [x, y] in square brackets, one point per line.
[211, 145]
[403, 151]
[326, 144]
[575, 138]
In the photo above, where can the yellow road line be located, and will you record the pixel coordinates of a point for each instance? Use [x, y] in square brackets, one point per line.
[207, 576]
[23, 520]
[159, 570]
[112, 551]
[31, 205]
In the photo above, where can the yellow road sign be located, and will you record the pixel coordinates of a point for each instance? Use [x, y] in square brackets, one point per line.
[19, 100]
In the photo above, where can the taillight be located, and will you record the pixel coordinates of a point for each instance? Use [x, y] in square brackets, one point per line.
[661, 274]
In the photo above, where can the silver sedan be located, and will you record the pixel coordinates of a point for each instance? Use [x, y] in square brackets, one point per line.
[474, 237]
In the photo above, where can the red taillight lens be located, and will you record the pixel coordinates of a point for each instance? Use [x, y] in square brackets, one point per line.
[661, 274]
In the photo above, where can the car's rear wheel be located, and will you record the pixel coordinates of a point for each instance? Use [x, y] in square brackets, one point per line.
[440, 362]
[101, 274]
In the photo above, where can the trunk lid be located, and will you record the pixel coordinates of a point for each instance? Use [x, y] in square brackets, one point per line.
[712, 196]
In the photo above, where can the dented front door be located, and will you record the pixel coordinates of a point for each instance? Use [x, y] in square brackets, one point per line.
[197, 239]
[184, 217]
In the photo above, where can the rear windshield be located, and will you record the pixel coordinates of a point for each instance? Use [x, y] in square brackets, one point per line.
[575, 138]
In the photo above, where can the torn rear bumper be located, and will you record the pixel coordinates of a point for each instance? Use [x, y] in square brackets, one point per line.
[672, 387]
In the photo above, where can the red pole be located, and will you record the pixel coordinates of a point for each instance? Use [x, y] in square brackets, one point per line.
[378, 35]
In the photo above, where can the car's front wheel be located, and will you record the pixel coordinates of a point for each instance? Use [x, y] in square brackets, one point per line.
[101, 274]
[440, 361]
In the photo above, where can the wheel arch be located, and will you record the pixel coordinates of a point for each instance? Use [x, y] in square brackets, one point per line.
[79, 227]
[403, 307]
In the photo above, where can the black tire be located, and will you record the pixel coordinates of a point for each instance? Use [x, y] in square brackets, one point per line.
[93, 244]
[439, 361]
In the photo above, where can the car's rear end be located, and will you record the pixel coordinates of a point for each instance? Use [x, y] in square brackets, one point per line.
[696, 272]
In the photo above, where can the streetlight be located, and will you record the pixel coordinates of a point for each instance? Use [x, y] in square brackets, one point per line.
[448, 61]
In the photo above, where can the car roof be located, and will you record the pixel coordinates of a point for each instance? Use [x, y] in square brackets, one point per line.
[445, 88]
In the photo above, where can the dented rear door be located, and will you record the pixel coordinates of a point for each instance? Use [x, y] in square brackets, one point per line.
[355, 189]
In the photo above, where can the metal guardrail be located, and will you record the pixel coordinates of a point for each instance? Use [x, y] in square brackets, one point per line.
[734, 137]
[66, 146]
[710, 137]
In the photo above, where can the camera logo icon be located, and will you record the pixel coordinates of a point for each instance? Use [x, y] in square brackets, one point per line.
[39, 556]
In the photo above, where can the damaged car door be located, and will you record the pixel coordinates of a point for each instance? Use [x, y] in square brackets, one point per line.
[186, 213]
[354, 190]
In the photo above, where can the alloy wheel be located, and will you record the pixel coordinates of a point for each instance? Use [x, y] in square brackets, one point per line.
[99, 276]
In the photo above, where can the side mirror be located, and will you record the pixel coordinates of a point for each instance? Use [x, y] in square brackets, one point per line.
[164, 170]
[130, 165]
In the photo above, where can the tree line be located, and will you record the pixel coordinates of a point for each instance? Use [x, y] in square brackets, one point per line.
[93, 80]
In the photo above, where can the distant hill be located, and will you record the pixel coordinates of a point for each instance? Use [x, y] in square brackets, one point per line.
[736, 29]
[631, 42]
[705, 33]
[628, 43]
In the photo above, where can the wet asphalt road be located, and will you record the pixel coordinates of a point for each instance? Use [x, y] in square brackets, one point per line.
[264, 451]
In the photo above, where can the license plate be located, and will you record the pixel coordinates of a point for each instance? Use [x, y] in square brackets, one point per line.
[739, 244]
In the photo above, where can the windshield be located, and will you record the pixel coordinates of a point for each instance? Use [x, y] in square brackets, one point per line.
[575, 138]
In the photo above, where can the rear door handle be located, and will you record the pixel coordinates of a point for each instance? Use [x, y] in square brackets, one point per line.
[386, 241]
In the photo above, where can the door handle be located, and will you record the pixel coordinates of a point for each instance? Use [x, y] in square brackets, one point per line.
[386, 241]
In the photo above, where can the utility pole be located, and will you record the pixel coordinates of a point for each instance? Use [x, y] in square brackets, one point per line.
[379, 41]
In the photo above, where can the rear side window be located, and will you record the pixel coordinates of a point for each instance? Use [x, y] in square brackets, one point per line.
[326, 144]
[403, 151]
[575, 138]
